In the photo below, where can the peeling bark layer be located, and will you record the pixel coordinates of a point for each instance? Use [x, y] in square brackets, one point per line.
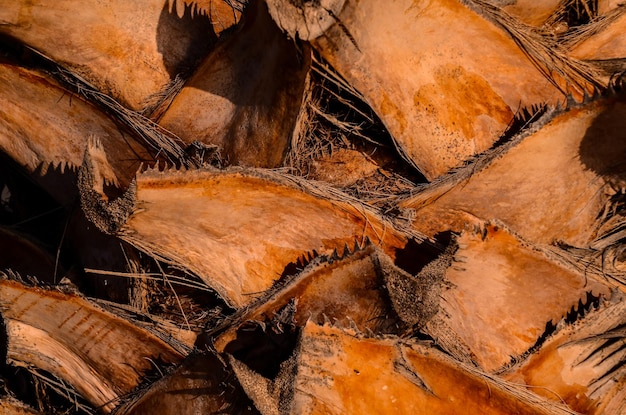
[336, 372]
[363, 289]
[45, 129]
[531, 12]
[499, 293]
[239, 229]
[607, 44]
[202, 384]
[583, 364]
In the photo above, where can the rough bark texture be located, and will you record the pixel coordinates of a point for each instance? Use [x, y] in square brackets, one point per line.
[444, 98]
[214, 224]
[216, 207]
[101, 355]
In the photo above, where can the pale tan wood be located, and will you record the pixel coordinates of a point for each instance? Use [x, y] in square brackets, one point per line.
[182, 337]
[605, 6]
[582, 364]
[498, 294]
[364, 289]
[127, 49]
[608, 43]
[30, 346]
[305, 20]
[99, 354]
[337, 372]
[531, 12]
[45, 129]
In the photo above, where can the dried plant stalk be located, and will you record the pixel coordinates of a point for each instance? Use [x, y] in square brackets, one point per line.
[102, 356]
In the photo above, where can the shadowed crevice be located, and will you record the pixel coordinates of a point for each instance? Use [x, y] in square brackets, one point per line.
[603, 147]
[196, 29]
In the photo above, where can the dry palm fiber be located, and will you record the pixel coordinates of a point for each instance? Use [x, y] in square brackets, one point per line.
[279, 248]
[607, 262]
[203, 383]
[363, 289]
[574, 78]
[180, 336]
[571, 14]
[340, 141]
[45, 129]
[496, 295]
[531, 12]
[583, 363]
[597, 24]
[11, 406]
[336, 371]
[161, 143]
[605, 40]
